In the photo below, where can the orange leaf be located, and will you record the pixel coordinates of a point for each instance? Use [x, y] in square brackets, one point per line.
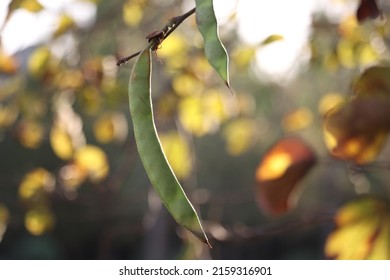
[277, 175]
[8, 64]
[358, 130]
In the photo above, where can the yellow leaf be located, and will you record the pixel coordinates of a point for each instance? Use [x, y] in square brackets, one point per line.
[350, 30]
[351, 242]
[30, 5]
[61, 142]
[345, 53]
[94, 161]
[381, 247]
[240, 135]
[132, 13]
[8, 114]
[214, 106]
[367, 55]
[110, 127]
[202, 114]
[271, 39]
[359, 210]
[178, 153]
[38, 62]
[39, 220]
[243, 56]
[30, 133]
[69, 79]
[173, 46]
[191, 116]
[36, 183]
[330, 101]
[65, 23]
[187, 84]
[362, 232]
[298, 119]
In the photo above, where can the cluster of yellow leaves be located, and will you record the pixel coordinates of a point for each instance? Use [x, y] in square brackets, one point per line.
[204, 114]
[34, 190]
[29, 109]
[362, 231]
[356, 45]
[85, 162]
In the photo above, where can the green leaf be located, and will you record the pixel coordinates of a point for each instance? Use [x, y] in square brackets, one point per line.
[152, 155]
[215, 51]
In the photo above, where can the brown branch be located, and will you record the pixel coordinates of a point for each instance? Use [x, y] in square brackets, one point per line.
[123, 60]
[157, 37]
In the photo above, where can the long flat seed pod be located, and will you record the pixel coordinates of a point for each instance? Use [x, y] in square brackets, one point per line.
[214, 50]
[150, 150]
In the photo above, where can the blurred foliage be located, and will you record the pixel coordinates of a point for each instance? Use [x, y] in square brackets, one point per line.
[362, 231]
[282, 167]
[71, 182]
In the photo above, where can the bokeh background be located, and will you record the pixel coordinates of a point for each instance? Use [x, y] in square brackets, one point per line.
[71, 182]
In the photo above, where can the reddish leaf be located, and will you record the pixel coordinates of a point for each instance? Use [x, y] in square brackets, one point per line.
[279, 172]
[367, 9]
[358, 130]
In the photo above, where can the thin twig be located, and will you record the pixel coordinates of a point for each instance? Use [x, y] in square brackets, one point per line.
[156, 40]
[176, 21]
[123, 60]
